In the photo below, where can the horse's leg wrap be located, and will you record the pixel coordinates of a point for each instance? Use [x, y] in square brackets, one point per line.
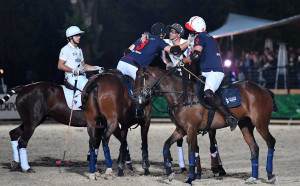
[121, 159]
[254, 163]
[14, 145]
[167, 161]
[269, 167]
[107, 157]
[92, 161]
[214, 162]
[23, 157]
[127, 155]
[192, 167]
[146, 163]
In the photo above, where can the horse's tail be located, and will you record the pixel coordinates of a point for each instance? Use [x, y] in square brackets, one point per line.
[274, 102]
[89, 90]
[10, 93]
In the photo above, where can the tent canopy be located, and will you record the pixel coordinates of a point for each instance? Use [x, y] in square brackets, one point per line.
[239, 24]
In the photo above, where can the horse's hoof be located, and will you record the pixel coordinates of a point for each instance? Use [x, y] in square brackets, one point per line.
[15, 166]
[120, 173]
[30, 170]
[183, 170]
[109, 174]
[188, 182]
[92, 176]
[147, 172]
[222, 172]
[198, 175]
[215, 170]
[271, 179]
[251, 180]
[171, 176]
[130, 166]
[98, 174]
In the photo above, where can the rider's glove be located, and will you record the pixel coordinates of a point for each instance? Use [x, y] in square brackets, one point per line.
[180, 64]
[100, 69]
[78, 71]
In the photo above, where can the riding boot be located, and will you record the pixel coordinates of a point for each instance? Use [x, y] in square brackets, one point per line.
[139, 111]
[216, 101]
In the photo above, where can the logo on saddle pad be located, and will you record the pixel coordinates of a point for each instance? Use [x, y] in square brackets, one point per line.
[231, 96]
[230, 99]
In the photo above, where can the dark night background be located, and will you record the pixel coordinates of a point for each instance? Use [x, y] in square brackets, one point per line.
[33, 32]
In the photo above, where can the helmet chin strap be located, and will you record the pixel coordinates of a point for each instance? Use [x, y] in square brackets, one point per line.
[74, 41]
[175, 38]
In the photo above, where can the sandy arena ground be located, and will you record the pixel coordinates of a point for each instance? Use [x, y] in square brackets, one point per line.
[47, 145]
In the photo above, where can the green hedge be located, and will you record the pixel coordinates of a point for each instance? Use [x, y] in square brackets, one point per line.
[288, 107]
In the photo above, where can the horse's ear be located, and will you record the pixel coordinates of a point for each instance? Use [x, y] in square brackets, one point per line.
[136, 64]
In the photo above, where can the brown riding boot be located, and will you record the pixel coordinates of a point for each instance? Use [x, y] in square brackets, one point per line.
[214, 100]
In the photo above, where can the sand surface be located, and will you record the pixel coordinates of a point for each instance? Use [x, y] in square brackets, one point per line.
[47, 145]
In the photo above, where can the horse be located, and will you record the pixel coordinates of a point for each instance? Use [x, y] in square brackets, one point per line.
[36, 102]
[257, 104]
[107, 103]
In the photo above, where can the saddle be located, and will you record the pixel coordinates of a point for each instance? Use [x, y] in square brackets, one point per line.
[229, 93]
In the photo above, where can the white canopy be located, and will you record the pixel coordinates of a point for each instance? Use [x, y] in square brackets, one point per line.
[239, 24]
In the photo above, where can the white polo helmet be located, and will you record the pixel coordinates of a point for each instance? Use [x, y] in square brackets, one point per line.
[196, 23]
[73, 30]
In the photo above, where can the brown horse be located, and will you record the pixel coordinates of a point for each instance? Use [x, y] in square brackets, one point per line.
[106, 98]
[36, 102]
[255, 111]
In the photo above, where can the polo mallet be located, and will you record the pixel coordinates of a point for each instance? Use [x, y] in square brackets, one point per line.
[195, 76]
[66, 144]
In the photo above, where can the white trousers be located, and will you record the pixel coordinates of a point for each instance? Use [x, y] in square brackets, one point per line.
[82, 80]
[127, 69]
[213, 80]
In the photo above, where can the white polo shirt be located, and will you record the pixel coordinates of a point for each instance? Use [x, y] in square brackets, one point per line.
[176, 58]
[73, 57]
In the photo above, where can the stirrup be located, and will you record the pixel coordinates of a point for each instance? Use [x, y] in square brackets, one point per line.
[232, 122]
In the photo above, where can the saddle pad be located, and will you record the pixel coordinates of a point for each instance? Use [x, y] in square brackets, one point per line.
[69, 97]
[129, 83]
[231, 96]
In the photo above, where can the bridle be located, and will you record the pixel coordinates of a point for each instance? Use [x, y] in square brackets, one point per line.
[149, 91]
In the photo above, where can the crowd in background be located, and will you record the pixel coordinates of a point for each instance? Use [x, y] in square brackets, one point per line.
[261, 67]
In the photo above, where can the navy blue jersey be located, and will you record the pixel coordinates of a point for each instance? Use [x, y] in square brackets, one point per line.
[210, 57]
[143, 53]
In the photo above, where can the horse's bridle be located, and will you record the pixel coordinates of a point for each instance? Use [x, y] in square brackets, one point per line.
[149, 91]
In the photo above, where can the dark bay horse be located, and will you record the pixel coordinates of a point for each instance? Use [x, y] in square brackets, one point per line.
[255, 111]
[36, 102]
[107, 103]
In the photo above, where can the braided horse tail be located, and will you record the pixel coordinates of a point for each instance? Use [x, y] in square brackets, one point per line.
[10, 93]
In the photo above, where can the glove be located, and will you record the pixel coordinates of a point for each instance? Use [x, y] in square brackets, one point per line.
[180, 64]
[78, 71]
[100, 69]
[191, 39]
[175, 50]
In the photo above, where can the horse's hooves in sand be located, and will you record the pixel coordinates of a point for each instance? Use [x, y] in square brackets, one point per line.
[271, 179]
[15, 166]
[147, 172]
[251, 180]
[30, 170]
[171, 176]
[92, 176]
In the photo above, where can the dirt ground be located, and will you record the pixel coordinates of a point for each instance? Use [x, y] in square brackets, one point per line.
[47, 145]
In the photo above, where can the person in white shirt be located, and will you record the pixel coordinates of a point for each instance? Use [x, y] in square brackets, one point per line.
[176, 32]
[71, 59]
